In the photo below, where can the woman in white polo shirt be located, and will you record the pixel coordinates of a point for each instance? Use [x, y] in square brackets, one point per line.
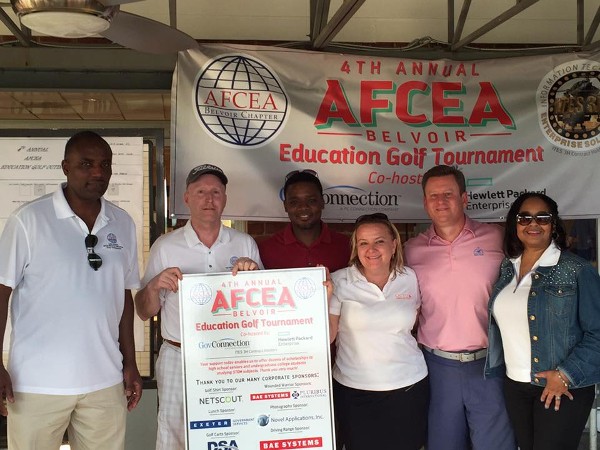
[381, 391]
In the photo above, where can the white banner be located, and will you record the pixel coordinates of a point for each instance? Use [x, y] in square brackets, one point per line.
[371, 126]
[255, 350]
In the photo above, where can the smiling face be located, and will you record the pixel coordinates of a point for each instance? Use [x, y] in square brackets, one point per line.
[534, 236]
[206, 199]
[444, 202]
[375, 247]
[303, 203]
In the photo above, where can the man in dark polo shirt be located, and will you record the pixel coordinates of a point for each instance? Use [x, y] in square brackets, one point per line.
[306, 241]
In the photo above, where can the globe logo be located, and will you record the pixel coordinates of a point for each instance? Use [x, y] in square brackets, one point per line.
[240, 102]
[305, 288]
[201, 294]
[263, 420]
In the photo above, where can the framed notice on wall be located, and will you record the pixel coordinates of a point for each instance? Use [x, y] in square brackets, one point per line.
[30, 167]
[256, 362]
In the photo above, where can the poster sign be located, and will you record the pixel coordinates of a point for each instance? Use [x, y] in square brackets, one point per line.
[371, 127]
[256, 363]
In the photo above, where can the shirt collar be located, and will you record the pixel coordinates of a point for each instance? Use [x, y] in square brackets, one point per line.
[64, 211]
[192, 238]
[471, 226]
[549, 258]
[355, 275]
[290, 238]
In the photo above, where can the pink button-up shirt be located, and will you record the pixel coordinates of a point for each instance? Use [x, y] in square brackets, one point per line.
[455, 279]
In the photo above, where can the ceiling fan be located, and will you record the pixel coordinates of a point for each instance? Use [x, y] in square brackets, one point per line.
[85, 18]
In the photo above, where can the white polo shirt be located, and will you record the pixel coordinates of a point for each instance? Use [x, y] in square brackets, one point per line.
[182, 248]
[65, 316]
[375, 348]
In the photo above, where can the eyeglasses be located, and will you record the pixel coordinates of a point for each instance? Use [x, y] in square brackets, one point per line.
[375, 217]
[296, 172]
[94, 260]
[541, 218]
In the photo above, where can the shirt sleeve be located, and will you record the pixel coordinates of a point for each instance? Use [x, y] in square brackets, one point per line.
[335, 305]
[255, 254]
[15, 251]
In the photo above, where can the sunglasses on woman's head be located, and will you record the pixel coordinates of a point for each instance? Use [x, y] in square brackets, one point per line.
[371, 217]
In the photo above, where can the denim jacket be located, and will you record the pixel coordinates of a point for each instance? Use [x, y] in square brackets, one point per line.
[563, 310]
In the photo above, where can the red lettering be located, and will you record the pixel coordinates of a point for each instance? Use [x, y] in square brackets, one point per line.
[369, 105]
[220, 302]
[488, 107]
[442, 102]
[334, 106]
[404, 96]
[249, 297]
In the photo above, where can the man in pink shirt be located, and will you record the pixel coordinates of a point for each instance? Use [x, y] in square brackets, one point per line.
[457, 261]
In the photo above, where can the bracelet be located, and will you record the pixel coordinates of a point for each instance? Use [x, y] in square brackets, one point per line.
[562, 379]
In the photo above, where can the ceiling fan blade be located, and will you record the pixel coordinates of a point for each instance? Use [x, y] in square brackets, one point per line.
[116, 2]
[147, 35]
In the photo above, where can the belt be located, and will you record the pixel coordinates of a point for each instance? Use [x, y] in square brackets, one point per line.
[459, 356]
[173, 343]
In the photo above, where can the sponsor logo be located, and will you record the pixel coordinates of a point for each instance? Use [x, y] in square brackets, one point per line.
[263, 420]
[309, 393]
[220, 399]
[269, 396]
[240, 102]
[223, 445]
[478, 252]
[215, 423]
[309, 442]
[568, 100]
[355, 198]
[224, 343]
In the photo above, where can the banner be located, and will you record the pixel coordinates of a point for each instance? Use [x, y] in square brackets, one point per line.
[256, 363]
[372, 126]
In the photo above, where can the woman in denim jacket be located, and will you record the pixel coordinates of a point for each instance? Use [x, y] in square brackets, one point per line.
[544, 328]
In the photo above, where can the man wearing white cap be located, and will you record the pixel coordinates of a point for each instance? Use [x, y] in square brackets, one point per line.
[203, 245]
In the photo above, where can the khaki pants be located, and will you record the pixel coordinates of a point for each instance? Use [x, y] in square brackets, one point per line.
[95, 421]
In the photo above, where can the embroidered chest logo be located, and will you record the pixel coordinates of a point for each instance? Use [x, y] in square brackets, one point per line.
[112, 242]
[478, 251]
[403, 296]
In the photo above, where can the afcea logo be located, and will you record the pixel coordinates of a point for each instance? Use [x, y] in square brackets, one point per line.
[240, 101]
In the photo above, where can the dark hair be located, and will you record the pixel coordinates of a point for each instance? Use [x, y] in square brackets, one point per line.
[84, 137]
[443, 171]
[302, 177]
[512, 245]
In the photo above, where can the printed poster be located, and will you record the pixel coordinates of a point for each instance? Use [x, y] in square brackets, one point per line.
[257, 370]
